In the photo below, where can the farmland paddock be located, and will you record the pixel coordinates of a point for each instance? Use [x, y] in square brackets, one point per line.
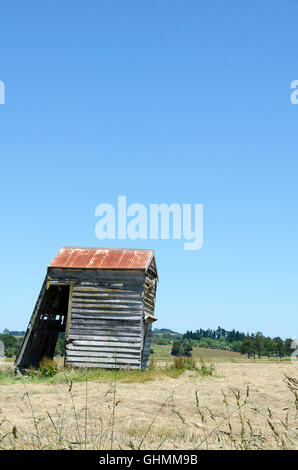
[242, 406]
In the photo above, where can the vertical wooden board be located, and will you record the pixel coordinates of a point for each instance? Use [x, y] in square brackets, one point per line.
[68, 319]
[68, 322]
[146, 349]
[24, 350]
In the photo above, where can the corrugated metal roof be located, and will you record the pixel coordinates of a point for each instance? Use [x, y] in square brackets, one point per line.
[103, 258]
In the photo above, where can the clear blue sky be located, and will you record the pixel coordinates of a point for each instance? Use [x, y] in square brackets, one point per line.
[162, 101]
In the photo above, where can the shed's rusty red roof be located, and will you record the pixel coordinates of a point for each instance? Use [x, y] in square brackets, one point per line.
[103, 258]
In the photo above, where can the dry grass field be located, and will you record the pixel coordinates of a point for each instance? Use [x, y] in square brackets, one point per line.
[163, 353]
[242, 406]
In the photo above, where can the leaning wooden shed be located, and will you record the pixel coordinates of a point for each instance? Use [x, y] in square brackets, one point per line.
[103, 299]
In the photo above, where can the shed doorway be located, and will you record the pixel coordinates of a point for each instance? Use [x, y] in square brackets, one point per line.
[50, 321]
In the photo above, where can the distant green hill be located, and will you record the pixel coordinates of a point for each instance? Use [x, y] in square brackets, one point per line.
[165, 330]
[13, 333]
[163, 336]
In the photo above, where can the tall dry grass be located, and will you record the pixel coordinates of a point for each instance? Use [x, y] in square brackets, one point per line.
[242, 425]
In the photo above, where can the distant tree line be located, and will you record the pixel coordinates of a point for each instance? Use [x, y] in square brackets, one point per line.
[251, 344]
[258, 345]
[13, 333]
[229, 336]
[216, 339]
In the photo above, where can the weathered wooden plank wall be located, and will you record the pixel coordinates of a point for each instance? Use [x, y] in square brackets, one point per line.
[105, 321]
[106, 317]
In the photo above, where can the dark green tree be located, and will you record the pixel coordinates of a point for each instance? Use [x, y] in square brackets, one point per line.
[247, 346]
[279, 347]
[269, 346]
[177, 348]
[187, 348]
[181, 348]
[258, 344]
[11, 344]
[288, 348]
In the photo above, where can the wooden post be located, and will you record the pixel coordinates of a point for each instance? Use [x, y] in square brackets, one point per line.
[68, 319]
